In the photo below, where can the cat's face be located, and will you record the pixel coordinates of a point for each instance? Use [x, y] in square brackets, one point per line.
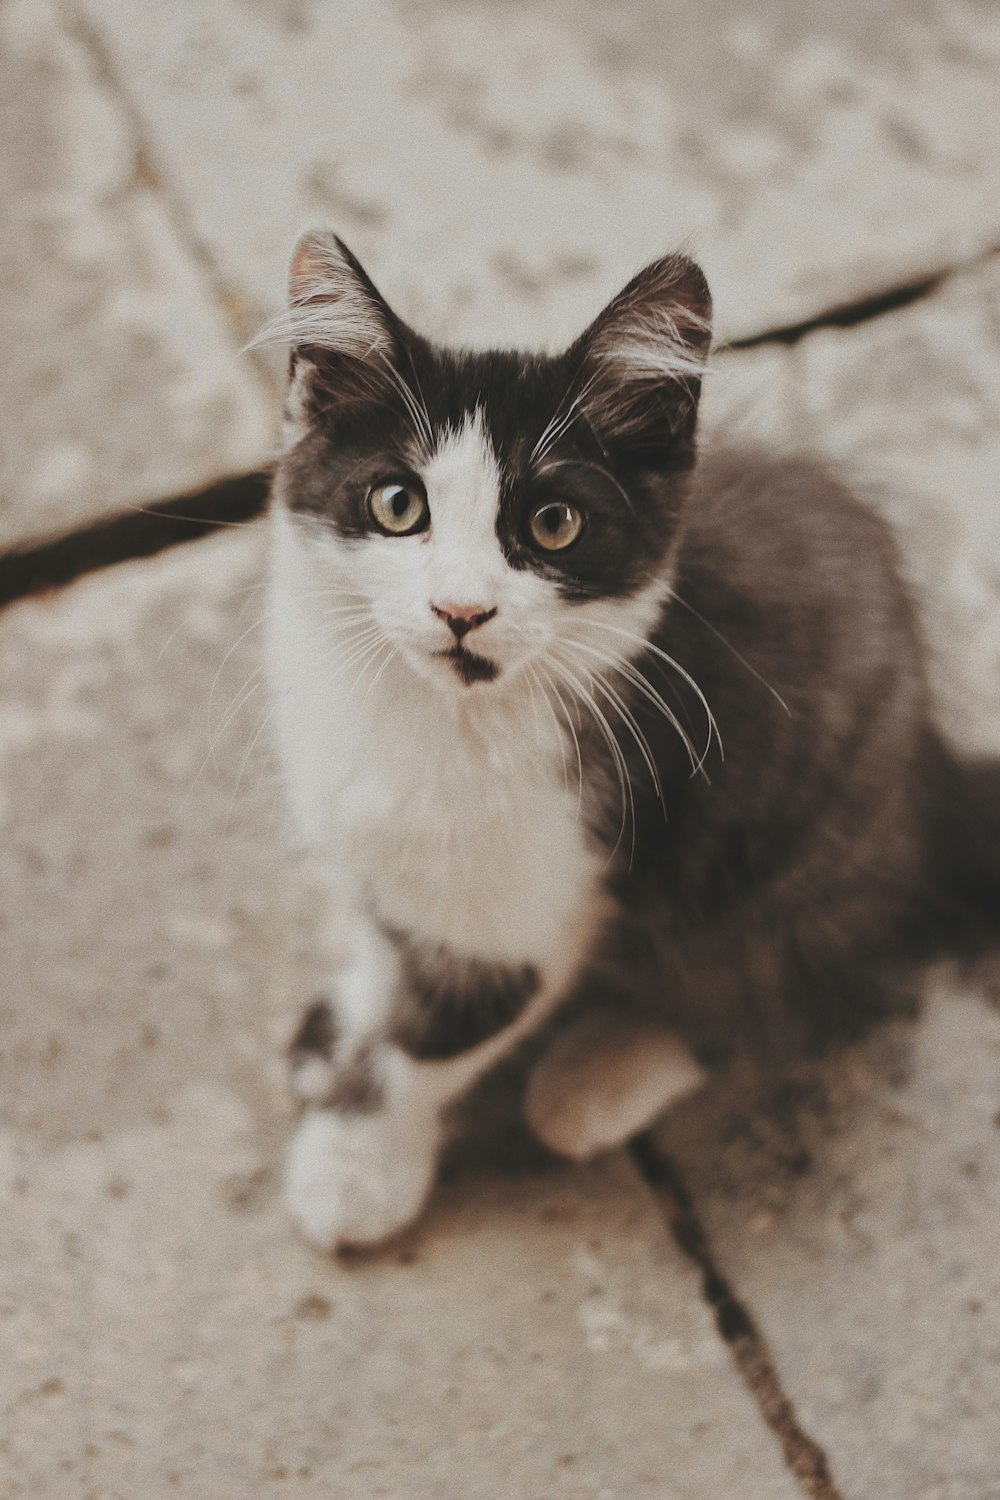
[490, 515]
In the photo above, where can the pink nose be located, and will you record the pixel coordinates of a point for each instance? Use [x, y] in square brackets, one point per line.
[461, 618]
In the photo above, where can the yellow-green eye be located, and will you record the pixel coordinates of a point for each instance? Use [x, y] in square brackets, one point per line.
[555, 525]
[398, 509]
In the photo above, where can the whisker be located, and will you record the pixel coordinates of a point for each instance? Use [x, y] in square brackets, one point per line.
[215, 680]
[369, 645]
[622, 770]
[228, 597]
[338, 644]
[559, 734]
[631, 673]
[533, 682]
[576, 743]
[422, 403]
[212, 522]
[372, 655]
[378, 674]
[604, 688]
[664, 656]
[252, 685]
[642, 685]
[242, 698]
[580, 463]
[730, 647]
[561, 421]
[246, 757]
[345, 611]
[618, 758]
[417, 412]
[614, 698]
[343, 633]
[354, 647]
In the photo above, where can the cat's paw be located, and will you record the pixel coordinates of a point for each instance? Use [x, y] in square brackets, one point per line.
[604, 1080]
[355, 1179]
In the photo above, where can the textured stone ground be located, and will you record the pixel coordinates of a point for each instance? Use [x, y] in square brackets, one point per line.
[164, 1330]
[501, 168]
[124, 386]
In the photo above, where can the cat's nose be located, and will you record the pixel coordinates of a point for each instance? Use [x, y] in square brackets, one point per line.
[461, 618]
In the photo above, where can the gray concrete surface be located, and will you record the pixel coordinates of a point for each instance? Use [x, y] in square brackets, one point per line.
[125, 387]
[855, 1208]
[502, 169]
[505, 166]
[164, 1330]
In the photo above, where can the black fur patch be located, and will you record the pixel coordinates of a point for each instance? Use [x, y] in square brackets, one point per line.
[471, 668]
[316, 1035]
[448, 1005]
[769, 910]
[356, 1089]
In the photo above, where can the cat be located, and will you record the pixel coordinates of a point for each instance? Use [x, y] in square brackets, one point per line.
[578, 720]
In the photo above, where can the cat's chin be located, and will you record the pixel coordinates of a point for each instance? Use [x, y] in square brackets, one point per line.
[458, 668]
[468, 667]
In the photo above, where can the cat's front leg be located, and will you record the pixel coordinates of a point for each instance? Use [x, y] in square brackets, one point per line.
[363, 1158]
[364, 1155]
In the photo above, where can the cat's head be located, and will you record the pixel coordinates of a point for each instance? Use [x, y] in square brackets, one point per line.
[487, 514]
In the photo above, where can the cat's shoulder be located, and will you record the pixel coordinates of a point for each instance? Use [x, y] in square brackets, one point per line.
[787, 520]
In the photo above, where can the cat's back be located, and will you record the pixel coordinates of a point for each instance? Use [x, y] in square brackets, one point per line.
[790, 613]
[787, 527]
[786, 565]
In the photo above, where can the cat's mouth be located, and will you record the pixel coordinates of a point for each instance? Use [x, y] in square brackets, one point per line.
[470, 667]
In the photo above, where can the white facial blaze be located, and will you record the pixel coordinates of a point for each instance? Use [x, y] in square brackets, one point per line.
[462, 480]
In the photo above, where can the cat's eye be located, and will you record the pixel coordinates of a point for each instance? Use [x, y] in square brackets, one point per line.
[398, 509]
[555, 525]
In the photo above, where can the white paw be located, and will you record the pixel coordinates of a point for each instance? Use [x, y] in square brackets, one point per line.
[355, 1179]
[604, 1080]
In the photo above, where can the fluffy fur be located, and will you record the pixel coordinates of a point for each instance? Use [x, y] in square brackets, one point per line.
[676, 776]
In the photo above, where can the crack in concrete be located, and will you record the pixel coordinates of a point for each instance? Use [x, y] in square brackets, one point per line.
[142, 532]
[147, 530]
[747, 1345]
[241, 498]
[864, 309]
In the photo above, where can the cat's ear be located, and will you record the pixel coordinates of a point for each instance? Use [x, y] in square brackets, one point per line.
[337, 322]
[641, 361]
[333, 305]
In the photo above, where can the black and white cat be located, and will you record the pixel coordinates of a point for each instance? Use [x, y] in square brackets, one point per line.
[572, 721]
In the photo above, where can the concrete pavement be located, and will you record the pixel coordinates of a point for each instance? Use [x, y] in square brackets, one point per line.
[501, 169]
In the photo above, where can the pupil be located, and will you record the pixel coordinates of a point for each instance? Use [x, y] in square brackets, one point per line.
[553, 519]
[400, 504]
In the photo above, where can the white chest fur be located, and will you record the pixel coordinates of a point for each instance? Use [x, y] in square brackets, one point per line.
[485, 856]
[458, 818]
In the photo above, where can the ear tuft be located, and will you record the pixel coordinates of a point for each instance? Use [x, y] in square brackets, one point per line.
[644, 356]
[333, 306]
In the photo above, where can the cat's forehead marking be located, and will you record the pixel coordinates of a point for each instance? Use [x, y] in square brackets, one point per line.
[462, 476]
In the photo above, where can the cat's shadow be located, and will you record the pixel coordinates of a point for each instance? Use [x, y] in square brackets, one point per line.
[761, 1135]
[769, 1140]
